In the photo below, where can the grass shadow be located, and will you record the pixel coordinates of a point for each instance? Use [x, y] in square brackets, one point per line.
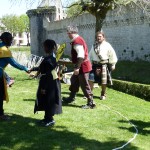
[66, 92]
[22, 133]
[25, 79]
[77, 95]
[71, 105]
[141, 126]
[29, 100]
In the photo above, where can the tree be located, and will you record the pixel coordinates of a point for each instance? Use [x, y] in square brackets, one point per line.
[100, 8]
[10, 23]
[75, 9]
[15, 24]
[24, 26]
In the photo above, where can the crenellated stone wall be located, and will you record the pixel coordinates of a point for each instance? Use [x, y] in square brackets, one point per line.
[128, 32]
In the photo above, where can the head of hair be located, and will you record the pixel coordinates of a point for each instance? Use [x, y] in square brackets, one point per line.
[50, 45]
[100, 32]
[72, 29]
[5, 35]
[6, 38]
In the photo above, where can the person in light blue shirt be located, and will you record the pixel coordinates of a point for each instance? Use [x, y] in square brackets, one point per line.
[5, 59]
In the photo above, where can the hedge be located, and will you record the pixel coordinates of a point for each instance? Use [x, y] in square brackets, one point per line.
[136, 89]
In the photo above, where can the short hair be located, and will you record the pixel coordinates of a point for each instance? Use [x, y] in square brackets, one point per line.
[100, 32]
[5, 35]
[72, 29]
[50, 44]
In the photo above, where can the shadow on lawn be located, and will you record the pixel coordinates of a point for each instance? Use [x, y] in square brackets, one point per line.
[140, 126]
[22, 133]
[29, 99]
[24, 79]
[68, 92]
[71, 105]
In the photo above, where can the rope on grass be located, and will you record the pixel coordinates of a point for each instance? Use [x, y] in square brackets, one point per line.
[121, 147]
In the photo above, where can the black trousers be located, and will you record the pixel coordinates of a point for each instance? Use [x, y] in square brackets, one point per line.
[81, 80]
[1, 96]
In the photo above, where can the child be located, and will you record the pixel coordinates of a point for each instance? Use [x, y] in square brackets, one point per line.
[48, 93]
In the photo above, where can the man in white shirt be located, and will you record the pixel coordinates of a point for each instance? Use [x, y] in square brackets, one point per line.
[103, 59]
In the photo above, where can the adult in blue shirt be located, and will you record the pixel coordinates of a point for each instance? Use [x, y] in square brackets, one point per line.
[5, 59]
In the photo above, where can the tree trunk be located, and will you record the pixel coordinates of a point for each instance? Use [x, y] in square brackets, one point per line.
[28, 42]
[99, 23]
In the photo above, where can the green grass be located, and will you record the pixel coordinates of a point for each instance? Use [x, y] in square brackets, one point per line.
[20, 48]
[138, 71]
[75, 129]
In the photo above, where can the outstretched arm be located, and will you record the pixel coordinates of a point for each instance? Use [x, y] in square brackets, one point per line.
[15, 64]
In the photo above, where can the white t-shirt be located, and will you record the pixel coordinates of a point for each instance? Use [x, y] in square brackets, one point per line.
[78, 48]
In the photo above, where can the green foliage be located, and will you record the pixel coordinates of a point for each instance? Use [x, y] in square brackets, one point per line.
[21, 48]
[15, 24]
[24, 24]
[10, 23]
[99, 8]
[136, 89]
[137, 71]
[73, 11]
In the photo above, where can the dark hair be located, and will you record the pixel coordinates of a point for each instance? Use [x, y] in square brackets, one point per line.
[50, 44]
[5, 35]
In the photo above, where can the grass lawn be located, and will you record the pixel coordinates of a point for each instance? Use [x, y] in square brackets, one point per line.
[20, 48]
[75, 129]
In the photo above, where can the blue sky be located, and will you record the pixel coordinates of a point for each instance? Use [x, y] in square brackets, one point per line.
[8, 7]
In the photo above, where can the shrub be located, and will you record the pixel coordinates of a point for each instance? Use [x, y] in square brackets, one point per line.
[136, 71]
[136, 89]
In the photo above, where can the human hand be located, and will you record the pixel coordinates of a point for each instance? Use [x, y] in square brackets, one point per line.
[28, 71]
[113, 67]
[98, 71]
[76, 71]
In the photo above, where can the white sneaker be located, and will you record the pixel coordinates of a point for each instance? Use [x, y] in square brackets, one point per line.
[102, 97]
[51, 123]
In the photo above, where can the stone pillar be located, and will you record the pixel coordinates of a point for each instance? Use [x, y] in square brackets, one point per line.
[37, 31]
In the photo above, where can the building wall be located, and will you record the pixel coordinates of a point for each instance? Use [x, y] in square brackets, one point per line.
[20, 39]
[128, 32]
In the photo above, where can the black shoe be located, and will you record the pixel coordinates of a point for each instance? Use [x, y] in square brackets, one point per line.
[68, 99]
[89, 106]
[4, 117]
[50, 123]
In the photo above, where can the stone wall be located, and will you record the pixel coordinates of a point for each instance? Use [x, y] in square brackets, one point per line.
[128, 32]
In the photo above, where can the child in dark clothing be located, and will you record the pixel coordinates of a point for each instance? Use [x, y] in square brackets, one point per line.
[49, 90]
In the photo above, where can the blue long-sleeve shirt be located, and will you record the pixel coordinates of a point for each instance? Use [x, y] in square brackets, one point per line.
[8, 60]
